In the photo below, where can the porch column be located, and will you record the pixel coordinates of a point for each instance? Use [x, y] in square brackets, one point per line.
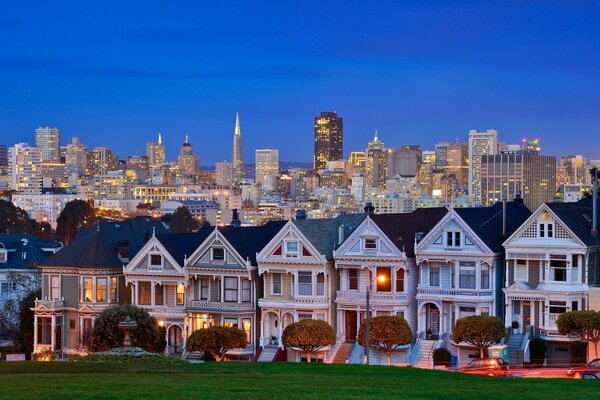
[152, 294]
[35, 333]
[52, 333]
[222, 299]
[240, 291]
[506, 269]
[509, 305]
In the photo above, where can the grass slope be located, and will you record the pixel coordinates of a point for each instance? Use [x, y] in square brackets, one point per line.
[79, 380]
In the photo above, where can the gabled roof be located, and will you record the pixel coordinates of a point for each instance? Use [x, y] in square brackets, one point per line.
[578, 218]
[96, 248]
[182, 245]
[248, 241]
[323, 233]
[486, 222]
[401, 228]
[19, 244]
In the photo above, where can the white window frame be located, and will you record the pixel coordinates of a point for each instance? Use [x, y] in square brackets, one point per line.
[517, 276]
[286, 250]
[320, 285]
[156, 267]
[372, 240]
[53, 287]
[280, 276]
[546, 230]
[229, 289]
[304, 284]
[455, 234]
[212, 254]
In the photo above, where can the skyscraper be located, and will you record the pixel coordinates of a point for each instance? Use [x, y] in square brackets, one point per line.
[480, 143]
[3, 159]
[48, 141]
[155, 151]
[457, 162]
[24, 169]
[526, 173]
[188, 162]
[75, 158]
[329, 139]
[237, 154]
[101, 160]
[267, 168]
[224, 173]
[441, 155]
[376, 163]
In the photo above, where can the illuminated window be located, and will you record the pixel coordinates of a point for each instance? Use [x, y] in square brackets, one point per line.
[247, 327]
[144, 293]
[384, 279]
[159, 294]
[113, 288]
[88, 292]
[101, 289]
[180, 294]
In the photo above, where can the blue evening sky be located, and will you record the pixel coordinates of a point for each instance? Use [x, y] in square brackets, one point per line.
[117, 73]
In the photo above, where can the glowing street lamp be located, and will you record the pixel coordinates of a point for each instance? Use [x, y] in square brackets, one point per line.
[380, 279]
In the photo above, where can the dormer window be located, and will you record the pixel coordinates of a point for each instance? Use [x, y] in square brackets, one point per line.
[545, 226]
[453, 239]
[218, 254]
[370, 244]
[292, 249]
[156, 262]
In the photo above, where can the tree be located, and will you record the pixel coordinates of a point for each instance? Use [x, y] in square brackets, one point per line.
[14, 219]
[385, 334]
[310, 335]
[182, 221]
[217, 340]
[76, 214]
[106, 334]
[479, 330]
[26, 319]
[22, 284]
[585, 324]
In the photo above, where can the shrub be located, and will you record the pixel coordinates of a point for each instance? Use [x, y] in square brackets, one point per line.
[386, 334]
[537, 352]
[479, 330]
[310, 335]
[217, 340]
[46, 355]
[441, 356]
[106, 334]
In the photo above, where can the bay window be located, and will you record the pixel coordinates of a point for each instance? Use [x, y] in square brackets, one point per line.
[113, 288]
[485, 277]
[44, 330]
[320, 284]
[231, 289]
[466, 278]
[246, 291]
[54, 287]
[305, 283]
[144, 295]
[558, 268]
[353, 279]
[101, 289]
[159, 295]
[276, 283]
[400, 280]
[384, 279]
[88, 293]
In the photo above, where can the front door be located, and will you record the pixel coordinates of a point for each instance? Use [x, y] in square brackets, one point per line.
[526, 314]
[433, 323]
[350, 326]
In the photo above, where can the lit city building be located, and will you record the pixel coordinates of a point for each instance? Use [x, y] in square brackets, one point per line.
[329, 139]
[480, 143]
[155, 151]
[48, 141]
[24, 169]
[267, 168]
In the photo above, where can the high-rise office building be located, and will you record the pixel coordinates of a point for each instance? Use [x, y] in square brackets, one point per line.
[48, 141]
[101, 160]
[188, 162]
[24, 169]
[457, 163]
[155, 151]
[3, 159]
[329, 139]
[237, 153]
[526, 173]
[480, 143]
[75, 158]
[441, 155]
[376, 163]
[404, 161]
[224, 173]
[267, 168]
[576, 170]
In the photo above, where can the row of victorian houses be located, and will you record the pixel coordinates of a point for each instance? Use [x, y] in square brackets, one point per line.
[432, 266]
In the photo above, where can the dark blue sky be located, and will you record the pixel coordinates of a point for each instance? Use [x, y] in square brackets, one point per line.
[117, 74]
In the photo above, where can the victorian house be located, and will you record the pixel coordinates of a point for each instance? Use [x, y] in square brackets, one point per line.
[460, 264]
[300, 280]
[552, 261]
[82, 280]
[377, 261]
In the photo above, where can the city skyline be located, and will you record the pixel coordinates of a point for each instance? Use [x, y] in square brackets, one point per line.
[193, 69]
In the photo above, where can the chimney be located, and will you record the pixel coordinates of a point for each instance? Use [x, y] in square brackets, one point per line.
[518, 199]
[301, 214]
[503, 218]
[369, 209]
[340, 234]
[594, 232]
[235, 219]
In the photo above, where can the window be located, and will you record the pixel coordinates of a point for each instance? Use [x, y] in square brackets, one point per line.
[400, 280]
[558, 269]
[453, 239]
[72, 324]
[485, 311]
[144, 293]
[434, 276]
[218, 254]
[321, 317]
[204, 288]
[44, 330]
[320, 284]
[247, 327]
[305, 283]
[545, 226]
[246, 291]
[353, 279]
[88, 292]
[231, 289]
[370, 244]
[230, 322]
[276, 283]
[292, 249]
[101, 289]
[485, 277]
[384, 279]
[304, 316]
[87, 327]
[113, 288]
[159, 295]
[55, 287]
[466, 312]
[155, 261]
[521, 270]
[466, 278]
[574, 306]
[558, 307]
[180, 294]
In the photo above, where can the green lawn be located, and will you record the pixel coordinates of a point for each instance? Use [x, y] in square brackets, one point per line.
[79, 380]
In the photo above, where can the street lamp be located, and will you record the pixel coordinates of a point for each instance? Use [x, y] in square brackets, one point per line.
[381, 279]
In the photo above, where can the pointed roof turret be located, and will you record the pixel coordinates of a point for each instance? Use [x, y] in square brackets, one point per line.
[159, 138]
[238, 130]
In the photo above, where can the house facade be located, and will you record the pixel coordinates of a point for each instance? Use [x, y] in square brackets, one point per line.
[551, 262]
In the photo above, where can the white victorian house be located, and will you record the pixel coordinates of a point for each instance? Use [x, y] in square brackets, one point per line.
[378, 257]
[551, 261]
[461, 268]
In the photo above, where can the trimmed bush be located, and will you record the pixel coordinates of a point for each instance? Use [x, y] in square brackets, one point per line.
[46, 355]
[310, 335]
[217, 340]
[386, 334]
[441, 356]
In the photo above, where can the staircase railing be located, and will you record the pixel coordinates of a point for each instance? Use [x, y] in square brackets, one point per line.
[430, 355]
[333, 350]
[524, 345]
[257, 355]
[414, 351]
[356, 354]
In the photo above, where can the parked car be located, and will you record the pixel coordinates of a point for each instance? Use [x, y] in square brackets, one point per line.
[486, 366]
[590, 370]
